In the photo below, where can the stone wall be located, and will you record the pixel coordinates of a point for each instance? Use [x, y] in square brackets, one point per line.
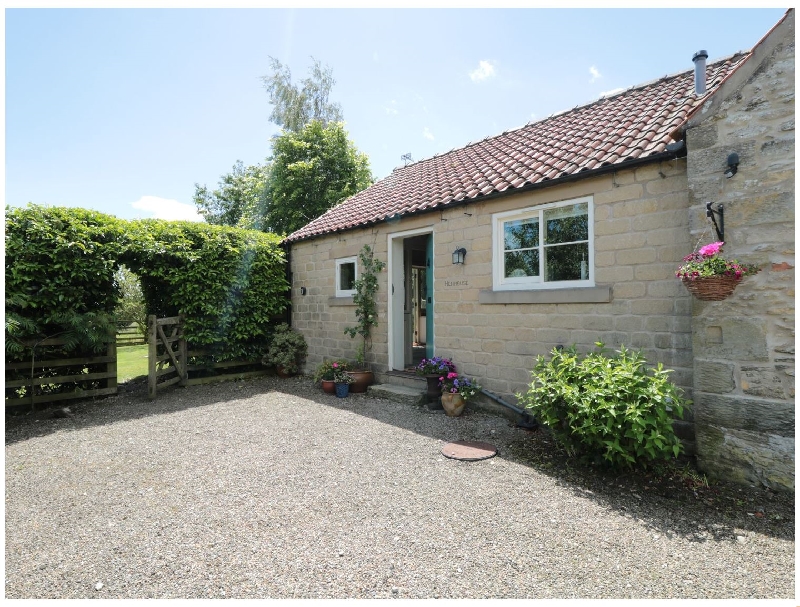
[641, 228]
[744, 345]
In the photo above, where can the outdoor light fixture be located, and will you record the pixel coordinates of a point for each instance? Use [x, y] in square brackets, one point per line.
[733, 165]
[458, 255]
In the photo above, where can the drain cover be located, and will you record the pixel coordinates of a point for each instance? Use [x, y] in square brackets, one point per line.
[470, 451]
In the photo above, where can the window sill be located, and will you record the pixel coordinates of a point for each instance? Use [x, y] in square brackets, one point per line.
[340, 301]
[600, 294]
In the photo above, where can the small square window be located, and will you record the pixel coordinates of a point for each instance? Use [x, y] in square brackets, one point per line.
[346, 275]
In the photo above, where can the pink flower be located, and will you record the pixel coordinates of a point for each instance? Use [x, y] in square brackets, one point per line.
[711, 249]
[452, 375]
[335, 365]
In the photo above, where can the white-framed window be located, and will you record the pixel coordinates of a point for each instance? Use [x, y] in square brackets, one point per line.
[544, 247]
[346, 274]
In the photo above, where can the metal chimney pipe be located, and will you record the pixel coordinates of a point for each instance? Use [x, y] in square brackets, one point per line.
[699, 59]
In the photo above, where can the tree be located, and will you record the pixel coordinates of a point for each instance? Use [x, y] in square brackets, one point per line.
[293, 107]
[239, 200]
[131, 306]
[312, 171]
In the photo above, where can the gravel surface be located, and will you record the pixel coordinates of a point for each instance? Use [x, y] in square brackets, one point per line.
[271, 489]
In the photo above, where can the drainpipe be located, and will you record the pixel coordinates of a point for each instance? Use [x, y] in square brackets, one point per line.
[528, 422]
[288, 246]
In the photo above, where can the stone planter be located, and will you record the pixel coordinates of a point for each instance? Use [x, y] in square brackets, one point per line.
[328, 386]
[453, 404]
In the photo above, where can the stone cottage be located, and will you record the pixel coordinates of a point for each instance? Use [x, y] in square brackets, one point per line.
[569, 230]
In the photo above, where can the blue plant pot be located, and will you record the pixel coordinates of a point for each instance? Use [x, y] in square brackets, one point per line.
[342, 390]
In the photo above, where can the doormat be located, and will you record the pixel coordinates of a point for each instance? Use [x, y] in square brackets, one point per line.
[469, 451]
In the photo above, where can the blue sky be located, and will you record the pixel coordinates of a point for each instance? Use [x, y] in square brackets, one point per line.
[124, 110]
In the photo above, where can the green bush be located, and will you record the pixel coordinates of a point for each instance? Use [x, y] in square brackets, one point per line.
[287, 349]
[60, 277]
[229, 283]
[606, 408]
[61, 263]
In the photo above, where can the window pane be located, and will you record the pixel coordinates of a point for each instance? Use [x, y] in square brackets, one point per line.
[522, 263]
[347, 276]
[567, 262]
[566, 224]
[521, 234]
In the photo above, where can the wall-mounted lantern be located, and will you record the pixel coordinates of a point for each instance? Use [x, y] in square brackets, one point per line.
[733, 165]
[458, 255]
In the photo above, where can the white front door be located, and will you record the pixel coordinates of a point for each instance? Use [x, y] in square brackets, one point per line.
[400, 324]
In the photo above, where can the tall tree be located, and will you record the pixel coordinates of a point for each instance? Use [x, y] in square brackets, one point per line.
[293, 106]
[239, 200]
[312, 170]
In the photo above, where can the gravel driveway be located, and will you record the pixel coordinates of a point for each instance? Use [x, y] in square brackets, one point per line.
[270, 488]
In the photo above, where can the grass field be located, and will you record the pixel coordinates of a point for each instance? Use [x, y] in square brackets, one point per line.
[131, 362]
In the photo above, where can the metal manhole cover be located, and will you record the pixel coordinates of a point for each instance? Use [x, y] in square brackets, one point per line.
[470, 451]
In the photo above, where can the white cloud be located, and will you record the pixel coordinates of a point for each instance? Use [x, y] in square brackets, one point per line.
[164, 208]
[611, 92]
[596, 75]
[485, 70]
[427, 134]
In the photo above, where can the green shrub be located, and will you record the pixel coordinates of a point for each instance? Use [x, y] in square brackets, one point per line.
[61, 264]
[607, 408]
[287, 349]
[59, 277]
[230, 284]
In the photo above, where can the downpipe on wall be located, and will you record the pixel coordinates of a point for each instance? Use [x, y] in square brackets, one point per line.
[527, 421]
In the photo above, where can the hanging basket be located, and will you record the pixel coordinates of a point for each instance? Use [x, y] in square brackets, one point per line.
[711, 288]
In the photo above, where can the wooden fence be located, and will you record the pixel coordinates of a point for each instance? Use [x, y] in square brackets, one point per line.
[129, 334]
[171, 362]
[51, 380]
[221, 371]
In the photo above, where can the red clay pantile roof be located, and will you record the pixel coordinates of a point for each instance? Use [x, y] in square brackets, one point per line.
[634, 125]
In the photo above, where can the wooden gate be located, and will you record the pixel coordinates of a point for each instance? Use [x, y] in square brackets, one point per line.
[167, 354]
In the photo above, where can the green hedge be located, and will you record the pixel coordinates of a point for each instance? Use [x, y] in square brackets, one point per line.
[60, 264]
[229, 283]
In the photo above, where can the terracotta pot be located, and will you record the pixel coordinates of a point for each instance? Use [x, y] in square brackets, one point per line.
[453, 404]
[328, 386]
[434, 391]
[283, 372]
[363, 380]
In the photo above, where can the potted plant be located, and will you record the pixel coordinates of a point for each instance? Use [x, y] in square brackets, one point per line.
[456, 391]
[366, 316]
[709, 276]
[325, 373]
[342, 380]
[432, 369]
[287, 351]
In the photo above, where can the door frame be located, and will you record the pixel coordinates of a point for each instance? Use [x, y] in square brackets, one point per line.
[395, 262]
